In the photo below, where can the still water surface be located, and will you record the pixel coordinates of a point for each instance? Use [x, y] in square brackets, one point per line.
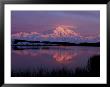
[52, 57]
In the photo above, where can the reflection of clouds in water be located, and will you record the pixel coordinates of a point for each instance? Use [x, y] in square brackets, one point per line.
[60, 54]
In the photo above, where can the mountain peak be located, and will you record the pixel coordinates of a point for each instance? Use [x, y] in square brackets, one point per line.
[64, 31]
[60, 33]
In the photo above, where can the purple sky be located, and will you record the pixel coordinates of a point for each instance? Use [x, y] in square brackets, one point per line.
[87, 23]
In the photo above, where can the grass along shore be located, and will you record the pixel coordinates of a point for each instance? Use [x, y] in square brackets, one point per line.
[91, 70]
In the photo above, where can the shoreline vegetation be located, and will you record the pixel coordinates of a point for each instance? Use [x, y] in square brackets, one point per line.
[17, 42]
[91, 70]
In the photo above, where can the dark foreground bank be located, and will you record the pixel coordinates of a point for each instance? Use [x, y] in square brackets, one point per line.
[91, 70]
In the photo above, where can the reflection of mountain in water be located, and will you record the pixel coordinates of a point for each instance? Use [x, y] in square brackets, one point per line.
[63, 57]
[60, 54]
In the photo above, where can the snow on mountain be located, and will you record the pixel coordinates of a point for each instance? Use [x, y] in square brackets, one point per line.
[60, 34]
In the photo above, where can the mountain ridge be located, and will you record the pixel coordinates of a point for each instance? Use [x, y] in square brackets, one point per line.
[60, 34]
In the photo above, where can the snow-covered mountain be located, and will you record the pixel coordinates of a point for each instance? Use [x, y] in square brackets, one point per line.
[60, 34]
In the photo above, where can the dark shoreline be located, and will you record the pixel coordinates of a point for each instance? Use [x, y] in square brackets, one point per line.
[48, 43]
[57, 45]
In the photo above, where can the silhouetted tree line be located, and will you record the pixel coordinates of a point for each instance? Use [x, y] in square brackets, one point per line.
[48, 43]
